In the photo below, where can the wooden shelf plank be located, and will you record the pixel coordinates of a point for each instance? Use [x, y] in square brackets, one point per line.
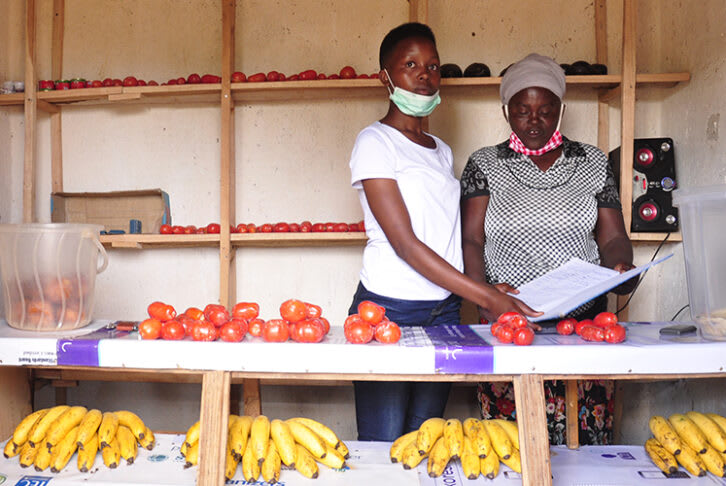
[298, 239]
[143, 241]
[662, 78]
[13, 99]
[655, 237]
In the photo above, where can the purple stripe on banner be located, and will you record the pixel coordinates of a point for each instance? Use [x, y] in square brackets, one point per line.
[78, 352]
[460, 350]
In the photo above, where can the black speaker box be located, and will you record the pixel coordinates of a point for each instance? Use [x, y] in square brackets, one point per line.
[654, 177]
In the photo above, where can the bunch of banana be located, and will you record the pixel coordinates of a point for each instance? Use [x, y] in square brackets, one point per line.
[262, 446]
[694, 440]
[49, 437]
[478, 444]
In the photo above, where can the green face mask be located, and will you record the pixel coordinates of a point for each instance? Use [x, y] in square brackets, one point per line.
[413, 104]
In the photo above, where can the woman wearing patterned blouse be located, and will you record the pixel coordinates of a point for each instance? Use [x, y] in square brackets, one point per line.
[532, 203]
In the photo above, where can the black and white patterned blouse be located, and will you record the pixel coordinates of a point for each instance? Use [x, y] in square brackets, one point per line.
[535, 220]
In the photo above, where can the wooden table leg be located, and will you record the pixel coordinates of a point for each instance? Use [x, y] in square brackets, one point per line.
[571, 414]
[15, 402]
[533, 437]
[213, 434]
[251, 397]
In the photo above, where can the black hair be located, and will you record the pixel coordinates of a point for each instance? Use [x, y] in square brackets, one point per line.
[402, 32]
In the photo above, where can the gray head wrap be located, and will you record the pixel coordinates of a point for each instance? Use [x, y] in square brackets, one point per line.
[532, 71]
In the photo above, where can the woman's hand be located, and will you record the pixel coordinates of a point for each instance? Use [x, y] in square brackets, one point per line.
[505, 288]
[623, 267]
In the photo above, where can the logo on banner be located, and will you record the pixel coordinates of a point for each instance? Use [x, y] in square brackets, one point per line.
[157, 458]
[33, 481]
[2, 478]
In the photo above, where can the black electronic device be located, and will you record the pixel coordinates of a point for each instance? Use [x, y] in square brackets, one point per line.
[678, 329]
[654, 178]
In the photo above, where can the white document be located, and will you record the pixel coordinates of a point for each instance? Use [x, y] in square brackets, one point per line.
[569, 286]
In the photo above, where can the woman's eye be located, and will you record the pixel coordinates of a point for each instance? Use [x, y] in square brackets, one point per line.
[434, 67]
[410, 64]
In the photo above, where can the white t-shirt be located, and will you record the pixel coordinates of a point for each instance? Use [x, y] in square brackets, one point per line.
[431, 193]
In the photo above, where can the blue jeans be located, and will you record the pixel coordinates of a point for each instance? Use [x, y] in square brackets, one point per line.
[386, 410]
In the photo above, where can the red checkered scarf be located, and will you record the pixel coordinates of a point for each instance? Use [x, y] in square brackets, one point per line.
[516, 144]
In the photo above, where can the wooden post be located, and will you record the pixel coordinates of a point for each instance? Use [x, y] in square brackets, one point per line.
[56, 131]
[16, 398]
[213, 434]
[601, 54]
[571, 414]
[31, 109]
[533, 437]
[418, 11]
[251, 397]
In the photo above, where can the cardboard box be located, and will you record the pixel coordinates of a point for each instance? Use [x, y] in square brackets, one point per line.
[114, 209]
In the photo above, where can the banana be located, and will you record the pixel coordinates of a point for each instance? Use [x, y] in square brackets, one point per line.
[325, 432]
[239, 434]
[132, 421]
[500, 442]
[396, 451]
[688, 432]
[511, 429]
[332, 458]
[22, 431]
[87, 454]
[110, 453]
[270, 468]
[306, 437]
[107, 429]
[665, 461]
[719, 419]
[438, 458]
[37, 434]
[710, 429]
[664, 434]
[284, 441]
[88, 426]
[470, 462]
[713, 461]
[27, 454]
[63, 450]
[490, 465]
[192, 436]
[42, 459]
[454, 437]
[149, 439]
[474, 429]
[411, 457]
[63, 424]
[127, 443]
[514, 461]
[429, 433]
[230, 465]
[689, 459]
[250, 465]
[343, 449]
[192, 455]
[230, 421]
[11, 449]
[305, 462]
[260, 437]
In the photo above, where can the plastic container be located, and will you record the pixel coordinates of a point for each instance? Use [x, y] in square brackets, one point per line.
[48, 274]
[703, 224]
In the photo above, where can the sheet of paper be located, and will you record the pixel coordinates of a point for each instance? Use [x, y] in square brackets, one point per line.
[567, 287]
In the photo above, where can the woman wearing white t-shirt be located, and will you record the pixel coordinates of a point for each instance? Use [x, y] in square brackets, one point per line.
[412, 263]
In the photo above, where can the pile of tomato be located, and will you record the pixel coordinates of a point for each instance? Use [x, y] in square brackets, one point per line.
[347, 72]
[371, 323]
[304, 227]
[511, 327]
[604, 327]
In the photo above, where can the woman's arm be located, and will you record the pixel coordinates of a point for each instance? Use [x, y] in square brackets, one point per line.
[386, 203]
[616, 250]
[473, 214]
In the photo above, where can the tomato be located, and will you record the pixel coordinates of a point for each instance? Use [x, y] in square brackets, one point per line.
[387, 332]
[294, 77]
[165, 229]
[171, 82]
[523, 336]
[150, 328]
[605, 319]
[216, 314]
[96, 84]
[161, 311]
[334, 76]
[141, 82]
[359, 332]
[265, 228]
[318, 228]
[273, 76]
[494, 327]
[210, 79]
[281, 228]
[213, 228]
[347, 73]
[362, 76]
[293, 310]
[190, 230]
[187, 322]
[361, 225]
[194, 79]
[251, 228]
[329, 227]
[506, 317]
[281, 76]
[181, 81]
[371, 312]
[130, 81]
[615, 334]
[115, 82]
[566, 326]
[204, 331]
[177, 230]
[257, 78]
[581, 324]
[308, 75]
[294, 228]
[238, 77]
[241, 228]
[195, 313]
[254, 327]
[153, 83]
[325, 323]
[341, 228]
[107, 82]
[246, 310]
[352, 226]
[172, 331]
[275, 331]
[590, 332]
[351, 319]
[306, 227]
[233, 331]
[307, 331]
[313, 311]
[505, 334]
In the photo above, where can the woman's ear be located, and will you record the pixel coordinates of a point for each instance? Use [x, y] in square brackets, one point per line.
[505, 111]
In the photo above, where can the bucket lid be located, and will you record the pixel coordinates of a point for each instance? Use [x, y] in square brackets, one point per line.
[690, 195]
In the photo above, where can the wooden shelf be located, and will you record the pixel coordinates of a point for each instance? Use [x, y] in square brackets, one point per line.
[655, 237]
[143, 241]
[13, 99]
[265, 240]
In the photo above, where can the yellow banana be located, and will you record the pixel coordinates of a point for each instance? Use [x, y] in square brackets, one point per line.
[149, 439]
[470, 462]
[270, 468]
[719, 419]
[664, 434]
[665, 461]
[12, 449]
[332, 458]
[689, 459]
[411, 457]
[239, 434]
[110, 453]
[192, 436]
[192, 455]
[514, 461]
[250, 465]
[63, 424]
[230, 464]
[398, 446]
[87, 454]
[500, 442]
[710, 429]
[490, 465]
[343, 449]
[37, 434]
[42, 459]
[474, 429]
[260, 437]
[688, 432]
[305, 462]
[325, 432]
[27, 454]
[511, 429]
[284, 441]
[306, 437]
[454, 437]
[63, 450]
[88, 427]
[713, 461]
[429, 433]
[230, 422]
[438, 458]
[132, 421]
[22, 431]
[127, 443]
[107, 429]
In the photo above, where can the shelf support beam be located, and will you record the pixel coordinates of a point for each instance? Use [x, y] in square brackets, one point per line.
[31, 112]
[533, 437]
[56, 128]
[213, 434]
[601, 54]
[418, 11]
